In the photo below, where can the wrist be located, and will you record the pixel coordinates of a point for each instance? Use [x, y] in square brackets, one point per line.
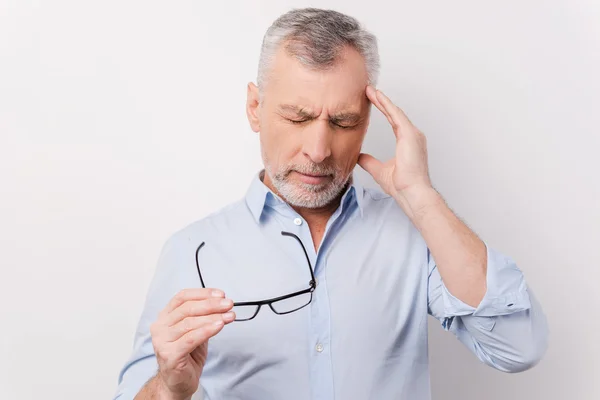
[416, 201]
[164, 393]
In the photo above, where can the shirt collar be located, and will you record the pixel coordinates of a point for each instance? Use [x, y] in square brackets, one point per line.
[259, 195]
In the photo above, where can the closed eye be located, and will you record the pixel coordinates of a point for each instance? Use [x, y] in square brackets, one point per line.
[338, 125]
[345, 126]
[294, 121]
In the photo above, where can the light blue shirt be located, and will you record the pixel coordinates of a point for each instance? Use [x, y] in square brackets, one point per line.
[363, 335]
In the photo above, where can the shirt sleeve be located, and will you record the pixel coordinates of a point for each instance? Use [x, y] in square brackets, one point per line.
[169, 278]
[508, 329]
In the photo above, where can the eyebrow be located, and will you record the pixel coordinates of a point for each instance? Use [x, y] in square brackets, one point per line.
[346, 117]
[300, 111]
[342, 117]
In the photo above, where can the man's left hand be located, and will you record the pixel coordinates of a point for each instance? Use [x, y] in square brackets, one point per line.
[406, 176]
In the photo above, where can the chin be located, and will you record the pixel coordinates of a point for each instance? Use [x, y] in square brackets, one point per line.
[309, 196]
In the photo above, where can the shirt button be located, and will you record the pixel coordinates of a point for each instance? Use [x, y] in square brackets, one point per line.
[298, 221]
[319, 347]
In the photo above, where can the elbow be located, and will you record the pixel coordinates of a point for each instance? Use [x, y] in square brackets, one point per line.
[527, 345]
[513, 360]
[522, 355]
[525, 360]
[530, 352]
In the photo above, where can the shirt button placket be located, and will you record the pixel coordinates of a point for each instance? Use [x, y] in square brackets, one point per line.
[321, 355]
[321, 373]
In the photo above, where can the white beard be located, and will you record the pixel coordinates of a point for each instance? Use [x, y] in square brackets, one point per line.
[299, 194]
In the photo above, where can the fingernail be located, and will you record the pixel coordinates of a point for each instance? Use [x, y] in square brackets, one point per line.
[226, 302]
[218, 322]
[228, 317]
[217, 293]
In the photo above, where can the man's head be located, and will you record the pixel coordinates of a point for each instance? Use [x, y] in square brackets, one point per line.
[310, 105]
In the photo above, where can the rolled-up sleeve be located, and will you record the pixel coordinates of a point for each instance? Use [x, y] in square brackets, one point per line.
[168, 279]
[508, 329]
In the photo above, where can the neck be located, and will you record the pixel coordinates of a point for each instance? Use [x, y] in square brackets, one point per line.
[316, 218]
[321, 215]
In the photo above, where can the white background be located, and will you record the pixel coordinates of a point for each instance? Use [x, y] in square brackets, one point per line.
[121, 119]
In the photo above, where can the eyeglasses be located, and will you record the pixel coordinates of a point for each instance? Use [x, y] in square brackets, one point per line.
[245, 311]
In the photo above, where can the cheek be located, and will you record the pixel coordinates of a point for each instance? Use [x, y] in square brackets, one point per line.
[280, 144]
[347, 149]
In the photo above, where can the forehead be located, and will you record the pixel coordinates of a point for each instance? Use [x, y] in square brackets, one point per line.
[340, 87]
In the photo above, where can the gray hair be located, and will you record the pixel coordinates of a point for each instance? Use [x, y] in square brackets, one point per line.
[315, 37]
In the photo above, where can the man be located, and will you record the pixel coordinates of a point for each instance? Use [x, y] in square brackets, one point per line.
[332, 283]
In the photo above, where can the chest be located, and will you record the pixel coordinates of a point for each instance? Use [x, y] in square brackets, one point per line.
[364, 284]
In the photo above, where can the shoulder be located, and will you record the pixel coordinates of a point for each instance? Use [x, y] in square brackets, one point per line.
[376, 194]
[219, 222]
[378, 202]
[383, 210]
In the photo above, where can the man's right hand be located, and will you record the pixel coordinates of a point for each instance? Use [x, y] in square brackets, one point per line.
[180, 339]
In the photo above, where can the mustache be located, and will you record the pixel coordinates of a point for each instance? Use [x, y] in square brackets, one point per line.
[312, 169]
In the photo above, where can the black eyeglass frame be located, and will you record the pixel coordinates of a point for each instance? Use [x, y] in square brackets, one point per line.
[312, 286]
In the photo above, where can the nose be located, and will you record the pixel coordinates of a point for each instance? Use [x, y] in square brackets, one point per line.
[317, 141]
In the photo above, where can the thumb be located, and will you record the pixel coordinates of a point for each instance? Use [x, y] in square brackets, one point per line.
[370, 164]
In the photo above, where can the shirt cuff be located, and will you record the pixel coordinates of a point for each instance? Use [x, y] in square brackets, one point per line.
[506, 290]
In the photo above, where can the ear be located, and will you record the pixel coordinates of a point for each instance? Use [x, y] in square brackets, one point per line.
[253, 107]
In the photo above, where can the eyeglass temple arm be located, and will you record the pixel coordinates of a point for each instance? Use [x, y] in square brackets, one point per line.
[198, 265]
[313, 282]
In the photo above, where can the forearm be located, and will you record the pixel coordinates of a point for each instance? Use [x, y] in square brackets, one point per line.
[460, 255]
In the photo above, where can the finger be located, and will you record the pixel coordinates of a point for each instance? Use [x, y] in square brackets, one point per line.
[396, 114]
[370, 164]
[372, 95]
[191, 340]
[192, 323]
[195, 308]
[192, 294]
